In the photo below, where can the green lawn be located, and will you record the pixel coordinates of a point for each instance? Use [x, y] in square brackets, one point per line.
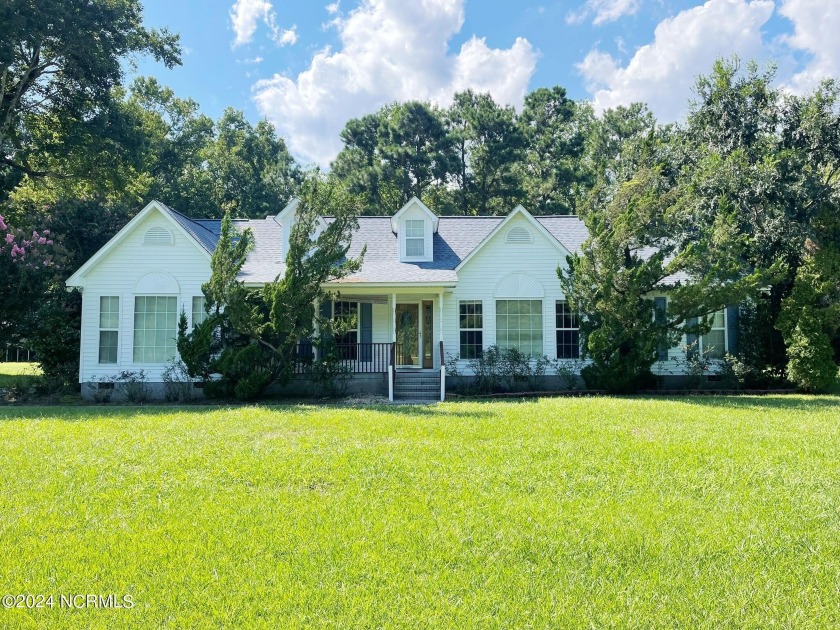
[568, 512]
[19, 374]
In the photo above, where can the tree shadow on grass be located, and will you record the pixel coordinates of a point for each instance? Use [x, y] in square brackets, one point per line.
[85, 413]
[767, 401]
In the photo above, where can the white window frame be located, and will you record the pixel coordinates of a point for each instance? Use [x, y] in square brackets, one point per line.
[724, 328]
[463, 329]
[558, 330]
[174, 332]
[353, 305]
[109, 329]
[541, 327]
[413, 224]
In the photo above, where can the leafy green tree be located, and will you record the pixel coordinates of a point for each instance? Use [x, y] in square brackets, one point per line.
[617, 140]
[414, 149]
[631, 253]
[810, 318]
[555, 130]
[358, 166]
[250, 169]
[488, 147]
[251, 336]
[59, 63]
[176, 141]
[771, 162]
[389, 157]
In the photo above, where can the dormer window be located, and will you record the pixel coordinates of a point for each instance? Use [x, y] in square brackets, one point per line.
[415, 225]
[415, 238]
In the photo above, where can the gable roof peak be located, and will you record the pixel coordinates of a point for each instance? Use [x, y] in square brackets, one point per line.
[518, 210]
[289, 211]
[414, 202]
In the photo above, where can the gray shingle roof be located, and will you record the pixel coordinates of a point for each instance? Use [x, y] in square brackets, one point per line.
[455, 239]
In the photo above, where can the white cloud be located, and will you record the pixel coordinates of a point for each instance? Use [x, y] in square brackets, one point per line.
[332, 8]
[244, 18]
[604, 11]
[816, 27]
[390, 50]
[244, 15]
[663, 72]
[288, 37]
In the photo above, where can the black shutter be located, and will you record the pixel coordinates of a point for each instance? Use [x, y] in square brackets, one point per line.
[660, 304]
[326, 313]
[691, 339]
[732, 330]
[365, 330]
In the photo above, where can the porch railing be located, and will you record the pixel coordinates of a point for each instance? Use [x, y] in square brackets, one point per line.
[358, 358]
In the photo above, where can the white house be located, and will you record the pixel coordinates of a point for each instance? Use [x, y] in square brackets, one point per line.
[429, 287]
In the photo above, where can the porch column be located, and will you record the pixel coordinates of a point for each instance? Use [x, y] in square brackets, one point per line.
[440, 345]
[392, 368]
[440, 311]
[394, 317]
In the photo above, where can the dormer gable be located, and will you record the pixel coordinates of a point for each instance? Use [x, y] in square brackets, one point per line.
[287, 218]
[415, 226]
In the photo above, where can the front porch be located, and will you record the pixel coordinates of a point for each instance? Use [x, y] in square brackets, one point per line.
[398, 334]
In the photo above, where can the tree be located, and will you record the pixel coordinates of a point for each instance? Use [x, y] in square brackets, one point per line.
[488, 145]
[251, 335]
[771, 162]
[414, 149]
[59, 63]
[250, 170]
[389, 157]
[555, 130]
[635, 244]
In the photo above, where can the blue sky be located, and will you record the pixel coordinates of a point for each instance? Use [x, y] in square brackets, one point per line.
[309, 66]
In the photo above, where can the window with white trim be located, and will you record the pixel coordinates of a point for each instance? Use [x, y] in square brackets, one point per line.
[415, 238]
[199, 314]
[568, 331]
[471, 328]
[713, 343]
[519, 324]
[347, 314]
[155, 328]
[109, 328]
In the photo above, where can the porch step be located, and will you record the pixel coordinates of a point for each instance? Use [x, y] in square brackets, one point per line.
[417, 386]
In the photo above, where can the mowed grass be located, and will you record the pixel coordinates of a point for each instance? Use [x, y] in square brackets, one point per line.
[567, 512]
[19, 374]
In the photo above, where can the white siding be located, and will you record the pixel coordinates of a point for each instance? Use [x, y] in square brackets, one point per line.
[478, 279]
[118, 273]
[381, 323]
[416, 213]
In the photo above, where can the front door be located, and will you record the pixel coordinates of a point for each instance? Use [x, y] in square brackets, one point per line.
[408, 335]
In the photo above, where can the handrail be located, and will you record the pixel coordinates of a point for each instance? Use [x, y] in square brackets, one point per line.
[358, 358]
[392, 373]
[442, 374]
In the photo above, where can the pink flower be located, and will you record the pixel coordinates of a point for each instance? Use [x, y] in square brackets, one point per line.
[34, 235]
[10, 238]
[49, 241]
[46, 232]
[42, 241]
[3, 225]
